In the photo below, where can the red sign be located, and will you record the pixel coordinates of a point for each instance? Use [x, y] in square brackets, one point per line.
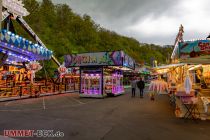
[204, 46]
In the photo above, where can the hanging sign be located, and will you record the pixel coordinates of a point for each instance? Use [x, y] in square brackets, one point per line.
[94, 59]
[62, 69]
[128, 61]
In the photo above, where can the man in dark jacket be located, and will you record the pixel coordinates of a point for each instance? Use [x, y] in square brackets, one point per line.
[141, 86]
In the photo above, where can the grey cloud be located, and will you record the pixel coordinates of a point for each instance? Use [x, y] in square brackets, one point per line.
[117, 15]
[119, 9]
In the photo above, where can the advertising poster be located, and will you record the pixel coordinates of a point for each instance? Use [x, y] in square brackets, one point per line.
[128, 62]
[94, 59]
[195, 51]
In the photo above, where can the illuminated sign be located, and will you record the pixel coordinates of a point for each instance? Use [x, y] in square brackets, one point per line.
[91, 59]
[128, 61]
[114, 58]
[204, 46]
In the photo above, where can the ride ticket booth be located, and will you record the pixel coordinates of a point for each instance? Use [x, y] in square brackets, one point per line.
[101, 73]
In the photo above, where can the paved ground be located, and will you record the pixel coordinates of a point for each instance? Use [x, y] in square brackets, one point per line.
[116, 118]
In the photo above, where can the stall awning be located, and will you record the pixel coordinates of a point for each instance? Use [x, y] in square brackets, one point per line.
[20, 49]
[143, 70]
[170, 66]
[166, 68]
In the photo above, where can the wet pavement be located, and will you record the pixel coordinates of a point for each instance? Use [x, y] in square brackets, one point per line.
[112, 118]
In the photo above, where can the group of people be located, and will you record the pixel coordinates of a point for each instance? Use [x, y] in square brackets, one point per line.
[137, 82]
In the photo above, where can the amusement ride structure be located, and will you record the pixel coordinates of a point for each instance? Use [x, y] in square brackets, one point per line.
[179, 38]
[19, 57]
[16, 48]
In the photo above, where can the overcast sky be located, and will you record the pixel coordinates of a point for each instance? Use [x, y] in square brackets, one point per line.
[149, 21]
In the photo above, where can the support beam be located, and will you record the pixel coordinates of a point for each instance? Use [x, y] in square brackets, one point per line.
[27, 28]
[5, 14]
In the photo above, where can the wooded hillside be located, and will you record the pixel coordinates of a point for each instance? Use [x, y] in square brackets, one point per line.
[65, 32]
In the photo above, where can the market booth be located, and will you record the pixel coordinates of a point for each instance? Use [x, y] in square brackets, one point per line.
[193, 91]
[101, 73]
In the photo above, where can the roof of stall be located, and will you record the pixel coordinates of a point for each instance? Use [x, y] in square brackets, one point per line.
[170, 66]
[143, 69]
[19, 49]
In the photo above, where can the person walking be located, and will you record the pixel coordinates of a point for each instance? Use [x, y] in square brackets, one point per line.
[141, 86]
[133, 86]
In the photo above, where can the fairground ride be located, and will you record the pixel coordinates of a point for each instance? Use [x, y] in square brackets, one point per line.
[14, 10]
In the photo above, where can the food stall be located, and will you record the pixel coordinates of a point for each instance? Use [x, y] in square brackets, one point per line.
[193, 92]
[101, 73]
[170, 73]
[164, 80]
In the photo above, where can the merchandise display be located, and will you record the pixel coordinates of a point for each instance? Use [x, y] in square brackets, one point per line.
[91, 83]
[114, 83]
[158, 86]
[206, 74]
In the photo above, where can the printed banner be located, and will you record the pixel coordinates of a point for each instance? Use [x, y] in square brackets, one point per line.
[114, 58]
[128, 62]
[195, 51]
[94, 59]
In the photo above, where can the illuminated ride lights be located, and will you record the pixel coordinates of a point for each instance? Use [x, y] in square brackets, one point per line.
[117, 88]
[20, 49]
[17, 10]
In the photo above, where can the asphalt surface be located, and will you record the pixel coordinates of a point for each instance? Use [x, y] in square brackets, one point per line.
[113, 118]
